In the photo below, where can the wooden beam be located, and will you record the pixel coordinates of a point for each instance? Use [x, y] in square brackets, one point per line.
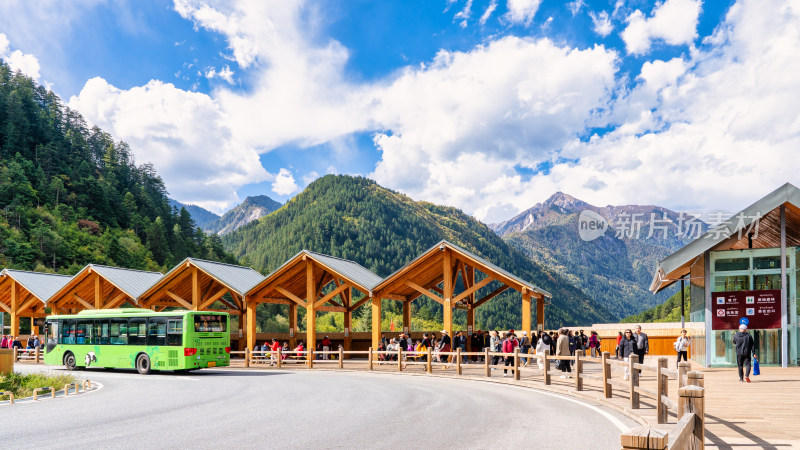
[6, 308]
[291, 296]
[251, 324]
[116, 301]
[447, 315]
[330, 295]
[474, 288]
[526, 312]
[98, 291]
[331, 309]
[179, 299]
[423, 291]
[213, 298]
[27, 303]
[540, 313]
[226, 303]
[398, 298]
[376, 322]
[311, 314]
[492, 295]
[195, 290]
[360, 302]
[207, 290]
[83, 302]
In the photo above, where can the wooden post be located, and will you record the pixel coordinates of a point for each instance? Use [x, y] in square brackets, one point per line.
[369, 358]
[399, 359]
[487, 362]
[37, 355]
[662, 389]
[280, 357]
[540, 313]
[695, 378]
[376, 321]
[196, 290]
[250, 327]
[634, 381]
[14, 316]
[607, 388]
[448, 292]
[348, 318]
[430, 361]
[341, 358]
[247, 356]
[644, 438]
[546, 368]
[98, 293]
[407, 317]
[691, 399]
[516, 363]
[311, 313]
[683, 369]
[578, 366]
[458, 360]
[526, 311]
[293, 329]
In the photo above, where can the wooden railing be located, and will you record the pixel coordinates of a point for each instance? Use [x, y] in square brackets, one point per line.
[28, 354]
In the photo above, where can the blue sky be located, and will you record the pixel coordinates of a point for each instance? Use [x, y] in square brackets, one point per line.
[486, 105]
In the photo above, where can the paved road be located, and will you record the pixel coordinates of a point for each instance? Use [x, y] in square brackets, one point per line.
[299, 409]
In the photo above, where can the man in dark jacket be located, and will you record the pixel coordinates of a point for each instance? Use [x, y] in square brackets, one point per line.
[744, 349]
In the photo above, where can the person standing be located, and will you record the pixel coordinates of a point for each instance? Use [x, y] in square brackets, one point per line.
[509, 344]
[274, 351]
[642, 344]
[682, 346]
[4, 342]
[617, 353]
[426, 344]
[461, 342]
[525, 346]
[495, 346]
[562, 349]
[444, 346]
[326, 347]
[744, 350]
[541, 347]
[627, 347]
[594, 344]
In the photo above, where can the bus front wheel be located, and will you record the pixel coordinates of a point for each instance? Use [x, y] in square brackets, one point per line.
[143, 364]
[69, 361]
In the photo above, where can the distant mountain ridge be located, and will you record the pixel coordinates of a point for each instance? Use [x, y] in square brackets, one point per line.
[617, 267]
[201, 216]
[252, 208]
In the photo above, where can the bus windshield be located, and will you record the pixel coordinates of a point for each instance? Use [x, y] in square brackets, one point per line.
[209, 323]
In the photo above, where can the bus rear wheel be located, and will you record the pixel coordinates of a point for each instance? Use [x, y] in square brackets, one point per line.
[69, 361]
[143, 364]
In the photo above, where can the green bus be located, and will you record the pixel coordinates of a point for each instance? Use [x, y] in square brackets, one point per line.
[138, 338]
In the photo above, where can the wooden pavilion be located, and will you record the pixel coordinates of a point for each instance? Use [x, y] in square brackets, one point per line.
[25, 294]
[302, 281]
[435, 273]
[101, 287]
[196, 285]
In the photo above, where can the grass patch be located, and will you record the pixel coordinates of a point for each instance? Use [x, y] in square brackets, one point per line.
[23, 385]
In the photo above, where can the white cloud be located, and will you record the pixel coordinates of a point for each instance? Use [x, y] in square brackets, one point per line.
[674, 22]
[522, 11]
[284, 183]
[602, 23]
[464, 14]
[224, 74]
[182, 133]
[17, 60]
[488, 12]
[730, 129]
[575, 6]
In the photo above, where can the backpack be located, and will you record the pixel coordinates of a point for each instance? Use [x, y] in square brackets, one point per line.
[677, 345]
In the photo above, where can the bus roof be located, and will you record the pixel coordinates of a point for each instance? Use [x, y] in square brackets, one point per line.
[133, 311]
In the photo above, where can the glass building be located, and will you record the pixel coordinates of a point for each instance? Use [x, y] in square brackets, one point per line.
[743, 271]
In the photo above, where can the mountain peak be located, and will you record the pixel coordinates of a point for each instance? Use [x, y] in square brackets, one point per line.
[565, 201]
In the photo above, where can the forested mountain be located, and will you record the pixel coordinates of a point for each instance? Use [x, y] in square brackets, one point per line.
[356, 219]
[201, 216]
[615, 269]
[70, 195]
[252, 208]
[669, 311]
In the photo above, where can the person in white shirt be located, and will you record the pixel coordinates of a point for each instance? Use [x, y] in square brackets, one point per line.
[682, 345]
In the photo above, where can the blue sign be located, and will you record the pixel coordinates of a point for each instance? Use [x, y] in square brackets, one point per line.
[744, 321]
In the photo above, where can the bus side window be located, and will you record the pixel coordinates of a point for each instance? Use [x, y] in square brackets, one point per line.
[102, 331]
[175, 332]
[156, 331]
[137, 332]
[67, 331]
[84, 332]
[118, 334]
